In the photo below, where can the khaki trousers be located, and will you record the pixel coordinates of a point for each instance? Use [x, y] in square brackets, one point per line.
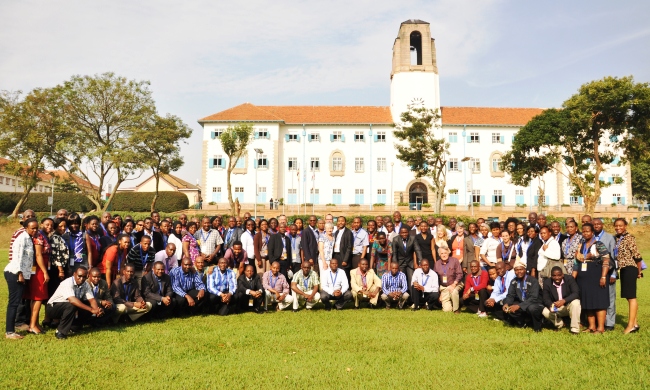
[449, 298]
[572, 310]
[299, 299]
[358, 297]
[270, 298]
[132, 312]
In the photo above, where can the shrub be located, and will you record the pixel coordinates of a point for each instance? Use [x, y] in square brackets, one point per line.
[379, 204]
[402, 204]
[451, 204]
[330, 204]
[521, 204]
[168, 201]
[498, 205]
[354, 205]
[38, 202]
[426, 205]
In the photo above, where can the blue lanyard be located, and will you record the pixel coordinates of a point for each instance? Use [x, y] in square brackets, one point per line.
[444, 268]
[293, 243]
[284, 243]
[144, 260]
[585, 250]
[475, 282]
[521, 287]
[203, 238]
[334, 279]
[273, 282]
[228, 235]
[568, 244]
[127, 291]
[507, 256]
[425, 280]
[503, 284]
[618, 243]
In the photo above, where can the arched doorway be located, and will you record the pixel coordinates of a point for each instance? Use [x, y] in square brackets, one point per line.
[418, 194]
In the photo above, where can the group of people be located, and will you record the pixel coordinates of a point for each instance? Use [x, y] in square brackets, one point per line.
[99, 271]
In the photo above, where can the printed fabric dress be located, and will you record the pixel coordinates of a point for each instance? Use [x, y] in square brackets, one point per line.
[37, 290]
[194, 246]
[592, 296]
[328, 248]
[381, 257]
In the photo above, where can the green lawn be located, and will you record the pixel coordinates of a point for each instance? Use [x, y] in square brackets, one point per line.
[331, 350]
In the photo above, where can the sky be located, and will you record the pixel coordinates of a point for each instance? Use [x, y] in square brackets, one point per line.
[202, 57]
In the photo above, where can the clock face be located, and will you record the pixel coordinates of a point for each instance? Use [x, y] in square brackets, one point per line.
[417, 102]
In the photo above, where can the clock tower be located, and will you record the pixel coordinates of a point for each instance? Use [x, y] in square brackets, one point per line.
[414, 78]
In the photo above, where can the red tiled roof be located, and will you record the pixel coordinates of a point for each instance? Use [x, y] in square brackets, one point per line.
[368, 114]
[488, 115]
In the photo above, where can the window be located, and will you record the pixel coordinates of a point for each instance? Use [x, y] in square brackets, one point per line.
[496, 164]
[618, 199]
[475, 165]
[314, 137]
[381, 196]
[474, 138]
[497, 138]
[13, 182]
[239, 193]
[262, 162]
[453, 137]
[381, 164]
[574, 200]
[359, 137]
[380, 136]
[453, 164]
[358, 196]
[337, 164]
[218, 162]
[241, 163]
[519, 197]
[315, 164]
[292, 137]
[292, 195]
[336, 196]
[293, 163]
[358, 164]
[2, 180]
[214, 189]
[616, 179]
[476, 196]
[314, 195]
[497, 197]
[239, 189]
[337, 136]
[262, 133]
[216, 133]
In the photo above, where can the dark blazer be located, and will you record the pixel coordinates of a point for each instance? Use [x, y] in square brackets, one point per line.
[405, 258]
[532, 254]
[119, 293]
[103, 291]
[151, 289]
[255, 284]
[533, 294]
[236, 236]
[157, 242]
[309, 244]
[275, 247]
[469, 253]
[345, 247]
[570, 291]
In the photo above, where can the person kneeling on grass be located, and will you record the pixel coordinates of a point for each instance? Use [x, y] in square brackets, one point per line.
[365, 284]
[394, 287]
[127, 297]
[424, 287]
[494, 304]
[102, 294]
[524, 300]
[334, 286]
[250, 293]
[562, 298]
[65, 302]
[222, 286]
[304, 287]
[188, 288]
[450, 275]
[157, 290]
[476, 292]
[276, 288]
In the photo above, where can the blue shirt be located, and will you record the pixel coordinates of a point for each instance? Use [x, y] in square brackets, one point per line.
[219, 283]
[501, 289]
[184, 282]
[390, 283]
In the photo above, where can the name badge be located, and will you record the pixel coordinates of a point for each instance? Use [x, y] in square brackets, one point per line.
[198, 242]
[284, 255]
[293, 256]
[264, 252]
[584, 267]
[250, 302]
[444, 279]
[33, 270]
[476, 296]
[457, 252]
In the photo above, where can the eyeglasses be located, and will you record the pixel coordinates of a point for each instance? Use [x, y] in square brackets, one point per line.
[140, 224]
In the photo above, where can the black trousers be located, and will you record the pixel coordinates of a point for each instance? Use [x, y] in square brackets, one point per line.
[295, 268]
[521, 317]
[420, 298]
[185, 309]
[15, 299]
[496, 311]
[63, 311]
[86, 317]
[164, 311]
[346, 269]
[475, 306]
[223, 309]
[341, 300]
[243, 301]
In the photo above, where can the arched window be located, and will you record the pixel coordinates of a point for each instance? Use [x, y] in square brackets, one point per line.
[495, 165]
[416, 48]
[337, 163]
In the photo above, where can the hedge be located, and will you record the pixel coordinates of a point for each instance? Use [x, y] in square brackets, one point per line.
[37, 201]
[168, 201]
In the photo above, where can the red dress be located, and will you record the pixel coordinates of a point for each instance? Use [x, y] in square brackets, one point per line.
[37, 290]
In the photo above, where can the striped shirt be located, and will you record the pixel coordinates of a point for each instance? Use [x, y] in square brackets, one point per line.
[140, 258]
[312, 280]
[218, 283]
[208, 241]
[11, 243]
[184, 282]
[390, 283]
[23, 246]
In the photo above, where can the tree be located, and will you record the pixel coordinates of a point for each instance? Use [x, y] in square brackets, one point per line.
[234, 141]
[605, 119]
[640, 170]
[27, 127]
[104, 113]
[159, 143]
[426, 154]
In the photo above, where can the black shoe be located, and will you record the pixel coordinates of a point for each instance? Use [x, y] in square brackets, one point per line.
[259, 311]
[60, 336]
[355, 307]
[538, 331]
[328, 309]
[415, 309]
[609, 328]
[295, 310]
[339, 308]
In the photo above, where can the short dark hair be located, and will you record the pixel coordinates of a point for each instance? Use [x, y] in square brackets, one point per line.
[495, 225]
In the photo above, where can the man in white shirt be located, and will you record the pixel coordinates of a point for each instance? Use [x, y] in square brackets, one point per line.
[335, 286]
[379, 220]
[424, 287]
[488, 251]
[549, 254]
[494, 304]
[359, 243]
[167, 257]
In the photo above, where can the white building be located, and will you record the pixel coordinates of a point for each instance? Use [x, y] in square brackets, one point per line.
[345, 154]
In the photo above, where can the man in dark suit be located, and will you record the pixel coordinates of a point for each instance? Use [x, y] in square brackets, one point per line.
[406, 253]
[524, 299]
[343, 241]
[280, 249]
[250, 292]
[157, 290]
[156, 238]
[309, 242]
[231, 234]
[102, 293]
[561, 296]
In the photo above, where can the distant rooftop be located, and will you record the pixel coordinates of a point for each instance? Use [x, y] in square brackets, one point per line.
[415, 21]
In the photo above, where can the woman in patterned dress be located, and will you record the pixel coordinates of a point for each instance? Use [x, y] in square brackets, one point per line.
[37, 290]
[628, 257]
[381, 254]
[190, 246]
[570, 245]
[325, 248]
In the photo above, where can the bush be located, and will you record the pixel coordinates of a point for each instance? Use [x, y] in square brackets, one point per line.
[379, 204]
[451, 204]
[426, 205]
[476, 204]
[168, 201]
[403, 204]
[498, 205]
[330, 204]
[37, 201]
[521, 204]
[354, 205]
[565, 205]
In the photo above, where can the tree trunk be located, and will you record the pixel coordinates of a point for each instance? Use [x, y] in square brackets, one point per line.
[228, 184]
[590, 204]
[155, 196]
[21, 202]
[95, 202]
[110, 198]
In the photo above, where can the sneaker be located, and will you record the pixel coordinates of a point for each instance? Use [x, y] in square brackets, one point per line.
[496, 319]
[482, 314]
[13, 336]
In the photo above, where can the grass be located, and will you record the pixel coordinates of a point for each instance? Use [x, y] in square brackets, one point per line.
[331, 350]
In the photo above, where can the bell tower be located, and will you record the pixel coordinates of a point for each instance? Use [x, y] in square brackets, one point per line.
[414, 78]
